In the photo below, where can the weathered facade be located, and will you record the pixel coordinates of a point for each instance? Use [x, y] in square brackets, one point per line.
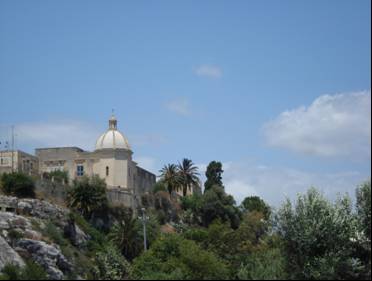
[18, 161]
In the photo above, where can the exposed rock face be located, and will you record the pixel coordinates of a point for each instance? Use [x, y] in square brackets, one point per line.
[48, 256]
[8, 255]
[12, 221]
[77, 237]
[21, 235]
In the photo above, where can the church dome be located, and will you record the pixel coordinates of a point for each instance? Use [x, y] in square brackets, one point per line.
[112, 138]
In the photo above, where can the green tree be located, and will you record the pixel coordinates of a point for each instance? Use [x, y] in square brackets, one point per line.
[188, 175]
[363, 195]
[214, 175]
[363, 206]
[170, 177]
[88, 196]
[18, 184]
[125, 235]
[216, 204]
[318, 237]
[235, 245]
[255, 203]
[174, 258]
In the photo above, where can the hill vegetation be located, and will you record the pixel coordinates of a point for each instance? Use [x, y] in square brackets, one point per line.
[203, 236]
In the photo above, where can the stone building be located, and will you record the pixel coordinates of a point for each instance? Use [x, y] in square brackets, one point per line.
[111, 160]
[18, 161]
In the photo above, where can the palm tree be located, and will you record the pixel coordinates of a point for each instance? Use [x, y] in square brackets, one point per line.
[170, 177]
[188, 174]
[126, 236]
[87, 196]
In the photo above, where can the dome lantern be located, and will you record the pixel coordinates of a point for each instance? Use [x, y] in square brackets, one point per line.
[113, 123]
[112, 138]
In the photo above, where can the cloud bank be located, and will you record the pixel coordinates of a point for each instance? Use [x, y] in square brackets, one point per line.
[332, 126]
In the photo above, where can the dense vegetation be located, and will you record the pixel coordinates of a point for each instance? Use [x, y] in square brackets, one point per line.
[18, 184]
[208, 236]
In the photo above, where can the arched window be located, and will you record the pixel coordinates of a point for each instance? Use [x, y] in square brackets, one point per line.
[107, 171]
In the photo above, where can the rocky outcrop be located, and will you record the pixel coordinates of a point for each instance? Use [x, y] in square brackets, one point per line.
[76, 236]
[12, 221]
[24, 235]
[48, 256]
[8, 255]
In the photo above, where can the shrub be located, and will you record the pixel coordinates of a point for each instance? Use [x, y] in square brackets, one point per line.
[33, 271]
[18, 184]
[264, 265]
[54, 234]
[173, 257]
[110, 265]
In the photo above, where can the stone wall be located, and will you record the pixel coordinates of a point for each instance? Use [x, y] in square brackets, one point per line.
[122, 197]
[144, 181]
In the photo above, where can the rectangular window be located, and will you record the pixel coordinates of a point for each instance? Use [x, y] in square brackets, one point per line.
[80, 170]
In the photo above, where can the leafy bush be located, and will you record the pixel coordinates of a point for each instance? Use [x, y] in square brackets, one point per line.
[110, 265]
[18, 184]
[97, 241]
[173, 257]
[54, 233]
[264, 265]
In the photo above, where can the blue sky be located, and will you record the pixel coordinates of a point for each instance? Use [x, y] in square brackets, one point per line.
[279, 91]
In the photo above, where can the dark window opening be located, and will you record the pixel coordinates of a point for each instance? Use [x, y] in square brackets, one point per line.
[80, 170]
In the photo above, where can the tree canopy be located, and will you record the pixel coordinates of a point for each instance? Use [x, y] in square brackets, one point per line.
[214, 175]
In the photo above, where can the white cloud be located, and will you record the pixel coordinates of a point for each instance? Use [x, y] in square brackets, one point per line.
[332, 126]
[210, 71]
[180, 106]
[55, 134]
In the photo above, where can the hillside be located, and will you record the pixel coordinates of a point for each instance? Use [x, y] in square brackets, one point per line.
[203, 236]
[38, 231]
